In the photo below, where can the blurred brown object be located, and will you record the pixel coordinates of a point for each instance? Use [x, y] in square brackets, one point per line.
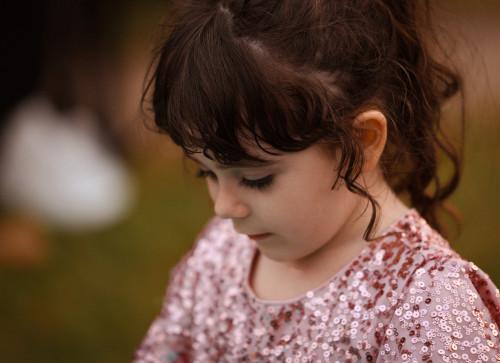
[24, 242]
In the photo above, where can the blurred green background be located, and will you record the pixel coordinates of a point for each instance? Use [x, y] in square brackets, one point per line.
[89, 296]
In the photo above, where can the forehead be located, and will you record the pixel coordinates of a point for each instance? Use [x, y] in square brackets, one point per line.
[311, 155]
[253, 153]
[261, 159]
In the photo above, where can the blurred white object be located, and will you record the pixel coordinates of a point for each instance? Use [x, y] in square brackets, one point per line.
[54, 165]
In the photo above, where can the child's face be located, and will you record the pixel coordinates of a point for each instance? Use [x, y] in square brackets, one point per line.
[287, 207]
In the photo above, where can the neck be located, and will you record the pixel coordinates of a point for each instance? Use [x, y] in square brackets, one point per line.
[275, 280]
[391, 207]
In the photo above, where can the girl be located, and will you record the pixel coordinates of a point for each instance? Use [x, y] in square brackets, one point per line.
[309, 119]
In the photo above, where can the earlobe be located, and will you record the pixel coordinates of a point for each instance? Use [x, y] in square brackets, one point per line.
[372, 130]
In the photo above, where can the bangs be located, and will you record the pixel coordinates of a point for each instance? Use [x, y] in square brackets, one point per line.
[224, 95]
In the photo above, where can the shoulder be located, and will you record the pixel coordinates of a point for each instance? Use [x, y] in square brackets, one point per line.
[442, 304]
[413, 233]
[421, 253]
[214, 265]
[218, 240]
[218, 250]
[413, 263]
[410, 244]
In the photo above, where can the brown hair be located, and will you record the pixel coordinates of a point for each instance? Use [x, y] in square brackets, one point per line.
[297, 72]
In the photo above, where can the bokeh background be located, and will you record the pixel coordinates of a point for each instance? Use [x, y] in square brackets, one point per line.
[96, 209]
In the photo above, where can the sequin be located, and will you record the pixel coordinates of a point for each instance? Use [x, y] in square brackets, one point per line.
[407, 297]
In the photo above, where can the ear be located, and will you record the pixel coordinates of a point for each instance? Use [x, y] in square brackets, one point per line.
[371, 127]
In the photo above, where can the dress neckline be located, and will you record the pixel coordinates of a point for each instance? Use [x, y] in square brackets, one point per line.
[395, 228]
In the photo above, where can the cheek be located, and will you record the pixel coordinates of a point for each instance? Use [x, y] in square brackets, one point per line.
[213, 188]
[323, 213]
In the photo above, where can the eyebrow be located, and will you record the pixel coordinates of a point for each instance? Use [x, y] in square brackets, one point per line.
[241, 164]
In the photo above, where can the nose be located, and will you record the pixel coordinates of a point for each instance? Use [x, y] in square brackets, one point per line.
[228, 204]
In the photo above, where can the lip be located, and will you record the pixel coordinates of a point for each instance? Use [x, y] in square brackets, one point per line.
[258, 237]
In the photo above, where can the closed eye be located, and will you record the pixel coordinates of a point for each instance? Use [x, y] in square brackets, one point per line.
[205, 173]
[260, 184]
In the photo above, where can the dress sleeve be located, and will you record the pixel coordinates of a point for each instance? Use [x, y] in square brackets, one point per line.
[167, 339]
[448, 312]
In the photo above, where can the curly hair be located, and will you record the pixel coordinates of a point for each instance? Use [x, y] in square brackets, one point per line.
[290, 74]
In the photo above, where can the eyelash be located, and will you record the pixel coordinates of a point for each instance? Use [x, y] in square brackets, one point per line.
[205, 173]
[259, 184]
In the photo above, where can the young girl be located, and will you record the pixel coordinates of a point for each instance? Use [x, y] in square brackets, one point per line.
[309, 119]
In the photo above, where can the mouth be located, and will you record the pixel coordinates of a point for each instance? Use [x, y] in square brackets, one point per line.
[258, 237]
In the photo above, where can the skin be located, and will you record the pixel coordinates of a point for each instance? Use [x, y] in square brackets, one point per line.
[305, 232]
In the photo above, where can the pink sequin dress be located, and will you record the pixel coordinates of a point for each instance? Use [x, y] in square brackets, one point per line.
[407, 297]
